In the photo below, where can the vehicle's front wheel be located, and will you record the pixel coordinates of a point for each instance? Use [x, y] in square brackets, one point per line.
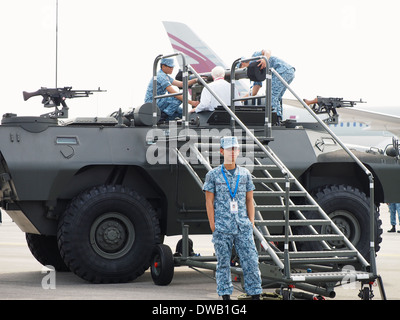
[45, 250]
[107, 234]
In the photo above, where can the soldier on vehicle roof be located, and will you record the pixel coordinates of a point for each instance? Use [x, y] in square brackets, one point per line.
[285, 70]
[170, 106]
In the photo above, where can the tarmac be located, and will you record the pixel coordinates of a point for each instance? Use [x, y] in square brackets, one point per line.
[23, 278]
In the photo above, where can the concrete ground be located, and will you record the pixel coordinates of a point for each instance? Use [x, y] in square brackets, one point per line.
[23, 278]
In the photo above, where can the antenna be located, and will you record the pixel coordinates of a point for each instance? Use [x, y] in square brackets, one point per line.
[56, 41]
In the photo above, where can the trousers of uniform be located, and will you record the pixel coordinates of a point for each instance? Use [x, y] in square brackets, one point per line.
[278, 90]
[246, 250]
[170, 106]
[392, 209]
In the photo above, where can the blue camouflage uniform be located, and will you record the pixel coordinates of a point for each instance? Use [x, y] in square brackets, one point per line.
[231, 228]
[286, 71]
[170, 105]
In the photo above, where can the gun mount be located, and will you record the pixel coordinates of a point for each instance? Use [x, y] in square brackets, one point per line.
[329, 106]
[56, 97]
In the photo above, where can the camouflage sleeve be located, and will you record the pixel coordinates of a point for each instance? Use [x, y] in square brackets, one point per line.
[209, 184]
[249, 185]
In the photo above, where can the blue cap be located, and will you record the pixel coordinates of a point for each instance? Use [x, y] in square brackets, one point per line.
[168, 62]
[229, 142]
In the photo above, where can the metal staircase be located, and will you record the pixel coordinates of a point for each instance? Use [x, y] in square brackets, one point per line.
[284, 232]
[296, 238]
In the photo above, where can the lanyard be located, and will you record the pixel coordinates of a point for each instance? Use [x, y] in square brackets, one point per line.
[227, 183]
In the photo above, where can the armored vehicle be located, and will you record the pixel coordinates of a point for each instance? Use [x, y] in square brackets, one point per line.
[97, 195]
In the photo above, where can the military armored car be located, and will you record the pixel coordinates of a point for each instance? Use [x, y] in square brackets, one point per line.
[96, 195]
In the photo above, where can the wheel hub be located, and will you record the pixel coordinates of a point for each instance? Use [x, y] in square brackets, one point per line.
[347, 224]
[112, 235]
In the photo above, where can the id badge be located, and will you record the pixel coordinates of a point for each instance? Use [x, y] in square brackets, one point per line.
[234, 206]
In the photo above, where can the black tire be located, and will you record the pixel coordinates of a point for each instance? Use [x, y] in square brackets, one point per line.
[45, 250]
[107, 234]
[162, 265]
[349, 209]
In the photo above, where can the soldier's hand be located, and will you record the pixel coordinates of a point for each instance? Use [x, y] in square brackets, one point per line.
[262, 64]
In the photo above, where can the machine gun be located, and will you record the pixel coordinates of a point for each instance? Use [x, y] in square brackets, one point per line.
[329, 106]
[56, 97]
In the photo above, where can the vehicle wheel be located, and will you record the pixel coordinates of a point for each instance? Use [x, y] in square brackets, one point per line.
[107, 234]
[349, 209]
[162, 265]
[45, 250]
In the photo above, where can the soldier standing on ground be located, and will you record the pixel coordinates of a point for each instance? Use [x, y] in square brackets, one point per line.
[230, 210]
[393, 207]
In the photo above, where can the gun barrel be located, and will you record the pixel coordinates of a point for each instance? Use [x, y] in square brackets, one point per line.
[239, 74]
[60, 93]
[337, 102]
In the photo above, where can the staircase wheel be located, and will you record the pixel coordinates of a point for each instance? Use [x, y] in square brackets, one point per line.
[162, 265]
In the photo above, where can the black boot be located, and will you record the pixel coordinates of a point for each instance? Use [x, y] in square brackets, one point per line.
[226, 297]
[255, 297]
[393, 229]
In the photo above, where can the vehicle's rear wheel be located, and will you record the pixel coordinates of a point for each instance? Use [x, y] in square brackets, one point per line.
[349, 209]
[107, 234]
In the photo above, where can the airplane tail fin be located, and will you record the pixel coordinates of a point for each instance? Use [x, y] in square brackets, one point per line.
[184, 40]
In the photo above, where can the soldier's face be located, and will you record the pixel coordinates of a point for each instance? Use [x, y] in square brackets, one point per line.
[230, 155]
[167, 70]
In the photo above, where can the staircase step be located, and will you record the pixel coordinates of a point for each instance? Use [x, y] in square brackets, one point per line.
[272, 180]
[255, 167]
[330, 276]
[259, 167]
[243, 143]
[244, 153]
[294, 223]
[318, 261]
[320, 254]
[310, 237]
[260, 194]
[283, 207]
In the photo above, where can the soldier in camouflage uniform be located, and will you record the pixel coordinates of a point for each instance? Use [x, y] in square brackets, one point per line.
[170, 106]
[230, 209]
[285, 70]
